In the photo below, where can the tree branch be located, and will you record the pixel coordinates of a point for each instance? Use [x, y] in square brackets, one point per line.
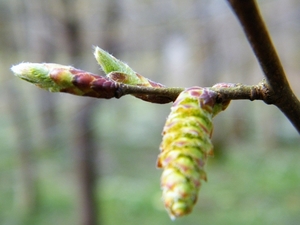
[280, 93]
[67, 79]
[236, 92]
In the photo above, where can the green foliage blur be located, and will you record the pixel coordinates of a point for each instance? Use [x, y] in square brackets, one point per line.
[254, 177]
[250, 185]
[247, 183]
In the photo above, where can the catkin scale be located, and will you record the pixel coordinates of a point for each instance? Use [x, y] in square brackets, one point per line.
[185, 148]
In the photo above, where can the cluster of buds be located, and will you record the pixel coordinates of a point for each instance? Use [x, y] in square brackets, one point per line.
[185, 148]
[186, 142]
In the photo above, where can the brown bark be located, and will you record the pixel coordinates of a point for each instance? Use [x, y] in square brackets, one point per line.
[279, 91]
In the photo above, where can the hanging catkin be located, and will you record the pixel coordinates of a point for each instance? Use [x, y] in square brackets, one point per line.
[185, 148]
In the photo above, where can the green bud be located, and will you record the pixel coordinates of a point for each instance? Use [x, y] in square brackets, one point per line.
[38, 74]
[60, 78]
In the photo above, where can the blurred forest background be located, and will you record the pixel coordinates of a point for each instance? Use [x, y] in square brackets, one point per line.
[73, 160]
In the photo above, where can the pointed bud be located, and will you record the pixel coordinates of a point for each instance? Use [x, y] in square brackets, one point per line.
[60, 78]
[36, 73]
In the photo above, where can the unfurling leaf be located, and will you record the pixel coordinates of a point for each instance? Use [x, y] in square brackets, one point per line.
[109, 63]
[185, 148]
[120, 72]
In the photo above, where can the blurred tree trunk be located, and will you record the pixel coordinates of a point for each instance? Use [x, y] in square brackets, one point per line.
[43, 48]
[29, 36]
[47, 101]
[13, 39]
[27, 195]
[111, 26]
[83, 143]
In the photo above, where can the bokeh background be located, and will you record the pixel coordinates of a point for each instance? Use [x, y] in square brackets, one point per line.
[75, 160]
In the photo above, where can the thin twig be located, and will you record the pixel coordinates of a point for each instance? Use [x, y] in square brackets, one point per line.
[238, 92]
[280, 93]
[60, 78]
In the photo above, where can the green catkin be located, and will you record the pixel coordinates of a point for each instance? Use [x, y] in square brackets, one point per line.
[185, 148]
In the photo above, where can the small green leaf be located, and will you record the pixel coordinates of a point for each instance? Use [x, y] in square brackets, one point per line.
[109, 63]
[121, 72]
